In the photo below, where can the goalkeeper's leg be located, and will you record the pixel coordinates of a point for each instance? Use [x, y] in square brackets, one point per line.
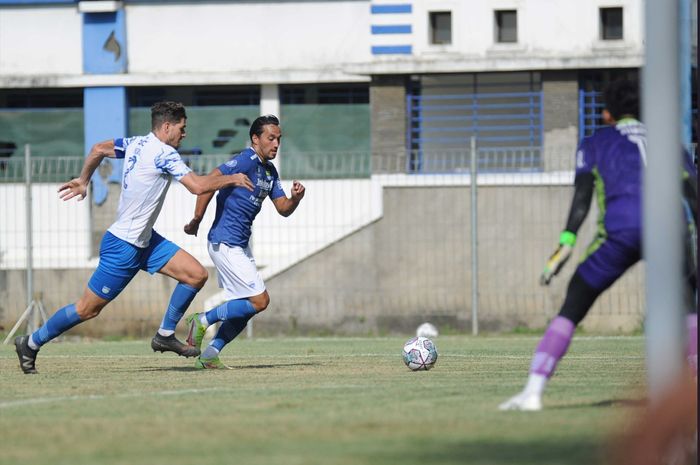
[554, 344]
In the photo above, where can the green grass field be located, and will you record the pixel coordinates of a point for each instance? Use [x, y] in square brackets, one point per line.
[315, 401]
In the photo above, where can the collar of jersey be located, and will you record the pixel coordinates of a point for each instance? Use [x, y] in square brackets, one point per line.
[627, 120]
[254, 155]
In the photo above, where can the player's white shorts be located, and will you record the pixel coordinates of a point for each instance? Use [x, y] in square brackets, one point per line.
[238, 275]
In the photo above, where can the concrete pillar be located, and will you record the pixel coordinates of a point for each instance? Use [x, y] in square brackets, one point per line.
[270, 99]
[270, 105]
[387, 99]
[560, 107]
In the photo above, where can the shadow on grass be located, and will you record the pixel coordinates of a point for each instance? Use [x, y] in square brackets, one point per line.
[571, 450]
[235, 367]
[641, 402]
[155, 369]
[277, 365]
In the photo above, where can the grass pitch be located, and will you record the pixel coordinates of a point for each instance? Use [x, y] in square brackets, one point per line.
[315, 401]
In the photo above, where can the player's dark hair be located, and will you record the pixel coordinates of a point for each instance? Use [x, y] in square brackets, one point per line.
[171, 112]
[261, 121]
[622, 98]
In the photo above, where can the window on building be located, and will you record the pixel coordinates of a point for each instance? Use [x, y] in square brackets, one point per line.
[324, 94]
[440, 27]
[219, 96]
[41, 98]
[611, 23]
[506, 26]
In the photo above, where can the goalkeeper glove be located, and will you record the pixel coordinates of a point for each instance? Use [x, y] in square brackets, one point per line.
[560, 256]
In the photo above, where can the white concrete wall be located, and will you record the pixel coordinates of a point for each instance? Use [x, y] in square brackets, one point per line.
[330, 211]
[40, 41]
[552, 34]
[61, 229]
[308, 41]
[247, 37]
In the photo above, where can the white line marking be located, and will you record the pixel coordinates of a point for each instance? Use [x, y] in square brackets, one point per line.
[181, 392]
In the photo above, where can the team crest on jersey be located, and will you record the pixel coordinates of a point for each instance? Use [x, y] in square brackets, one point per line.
[232, 163]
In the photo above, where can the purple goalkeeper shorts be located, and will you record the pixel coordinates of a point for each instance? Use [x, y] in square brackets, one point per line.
[607, 258]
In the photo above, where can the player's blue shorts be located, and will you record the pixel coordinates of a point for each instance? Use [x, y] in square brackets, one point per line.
[609, 257]
[120, 261]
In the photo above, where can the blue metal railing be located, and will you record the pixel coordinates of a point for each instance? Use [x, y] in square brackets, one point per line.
[449, 121]
[590, 104]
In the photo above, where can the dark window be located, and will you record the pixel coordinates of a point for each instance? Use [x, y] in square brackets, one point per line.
[146, 96]
[324, 94]
[506, 26]
[343, 94]
[611, 23]
[215, 96]
[204, 96]
[41, 98]
[440, 27]
[292, 94]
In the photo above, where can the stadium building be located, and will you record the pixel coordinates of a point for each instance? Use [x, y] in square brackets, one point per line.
[416, 75]
[364, 89]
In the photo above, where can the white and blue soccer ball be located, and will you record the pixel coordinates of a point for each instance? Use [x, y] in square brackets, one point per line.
[420, 353]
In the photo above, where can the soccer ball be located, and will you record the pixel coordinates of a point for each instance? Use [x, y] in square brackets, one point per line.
[427, 330]
[419, 353]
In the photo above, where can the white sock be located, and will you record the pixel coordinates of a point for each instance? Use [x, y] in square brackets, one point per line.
[203, 320]
[32, 344]
[210, 352]
[165, 332]
[536, 384]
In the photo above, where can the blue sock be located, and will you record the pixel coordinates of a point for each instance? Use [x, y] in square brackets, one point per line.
[237, 313]
[179, 301]
[227, 332]
[60, 322]
[231, 310]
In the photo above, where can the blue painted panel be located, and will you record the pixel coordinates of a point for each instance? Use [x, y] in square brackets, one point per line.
[391, 9]
[105, 110]
[392, 29]
[106, 117]
[392, 49]
[104, 43]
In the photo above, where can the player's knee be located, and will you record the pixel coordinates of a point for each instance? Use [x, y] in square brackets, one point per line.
[87, 312]
[260, 302]
[198, 277]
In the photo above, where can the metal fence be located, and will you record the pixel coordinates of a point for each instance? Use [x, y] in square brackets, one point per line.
[497, 119]
[379, 251]
[590, 105]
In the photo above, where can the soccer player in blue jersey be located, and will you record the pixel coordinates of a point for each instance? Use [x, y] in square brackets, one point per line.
[131, 244]
[229, 238]
[611, 162]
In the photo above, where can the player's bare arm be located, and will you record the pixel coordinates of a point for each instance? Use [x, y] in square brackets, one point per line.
[286, 205]
[212, 182]
[200, 208]
[78, 187]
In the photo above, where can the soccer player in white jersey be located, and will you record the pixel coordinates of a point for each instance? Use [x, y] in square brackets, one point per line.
[229, 236]
[131, 244]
